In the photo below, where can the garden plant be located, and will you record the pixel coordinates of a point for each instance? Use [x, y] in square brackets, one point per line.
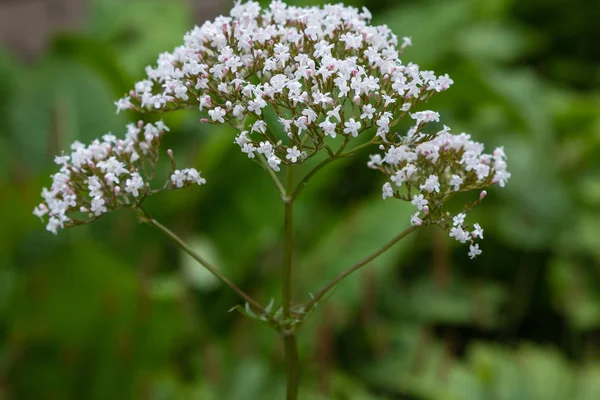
[296, 83]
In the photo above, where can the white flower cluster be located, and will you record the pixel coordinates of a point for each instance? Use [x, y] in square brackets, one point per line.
[106, 175]
[321, 72]
[291, 80]
[427, 170]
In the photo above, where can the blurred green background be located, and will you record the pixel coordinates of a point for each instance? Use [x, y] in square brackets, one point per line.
[115, 311]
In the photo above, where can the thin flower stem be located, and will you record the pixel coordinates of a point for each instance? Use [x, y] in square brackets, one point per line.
[289, 242]
[357, 148]
[203, 262]
[305, 180]
[311, 173]
[357, 266]
[273, 176]
[289, 335]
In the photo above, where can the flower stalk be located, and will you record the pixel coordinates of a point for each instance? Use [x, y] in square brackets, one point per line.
[213, 270]
[289, 333]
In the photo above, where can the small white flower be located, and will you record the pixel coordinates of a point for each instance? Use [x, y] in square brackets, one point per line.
[474, 251]
[310, 115]
[293, 154]
[368, 111]
[40, 210]
[388, 100]
[134, 184]
[415, 220]
[419, 202]
[406, 41]
[425, 116]
[431, 184]
[257, 105]
[387, 191]
[217, 114]
[352, 127]
[98, 206]
[259, 126]
[178, 178]
[477, 231]
[242, 139]
[274, 162]
[328, 128]
[249, 149]
[459, 234]
[192, 175]
[456, 181]
[265, 148]
[335, 113]
[238, 111]
[123, 104]
[459, 219]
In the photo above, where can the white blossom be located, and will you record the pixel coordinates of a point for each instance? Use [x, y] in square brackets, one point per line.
[217, 114]
[432, 184]
[134, 184]
[419, 202]
[90, 177]
[352, 127]
[477, 231]
[293, 154]
[459, 219]
[387, 191]
[474, 250]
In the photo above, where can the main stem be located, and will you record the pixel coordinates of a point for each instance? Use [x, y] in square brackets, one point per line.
[289, 335]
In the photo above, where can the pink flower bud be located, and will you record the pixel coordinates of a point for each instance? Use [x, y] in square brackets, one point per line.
[117, 189]
[203, 120]
[482, 195]
[170, 153]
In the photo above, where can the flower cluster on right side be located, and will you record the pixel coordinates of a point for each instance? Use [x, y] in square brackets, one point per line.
[428, 169]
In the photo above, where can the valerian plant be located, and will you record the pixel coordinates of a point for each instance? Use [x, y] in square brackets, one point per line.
[331, 79]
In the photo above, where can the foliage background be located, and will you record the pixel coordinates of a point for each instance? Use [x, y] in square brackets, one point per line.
[115, 311]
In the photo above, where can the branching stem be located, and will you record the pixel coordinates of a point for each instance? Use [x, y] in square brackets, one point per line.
[215, 271]
[357, 266]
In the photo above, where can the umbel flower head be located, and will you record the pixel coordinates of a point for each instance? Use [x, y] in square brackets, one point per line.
[106, 175]
[294, 81]
[319, 72]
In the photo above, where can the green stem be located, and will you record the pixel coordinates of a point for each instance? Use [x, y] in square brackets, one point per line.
[357, 148]
[305, 180]
[291, 365]
[356, 266]
[289, 242]
[273, 176]
[203, 262]
[289, 334]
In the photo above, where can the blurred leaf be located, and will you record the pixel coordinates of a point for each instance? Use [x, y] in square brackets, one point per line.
[197, 275]
[574, 295]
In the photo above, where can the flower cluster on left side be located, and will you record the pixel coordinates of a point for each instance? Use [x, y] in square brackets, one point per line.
[108, 174]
